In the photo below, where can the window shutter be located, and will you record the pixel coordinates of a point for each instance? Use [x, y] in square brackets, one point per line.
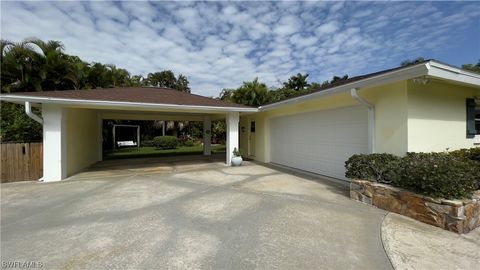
[471, 132]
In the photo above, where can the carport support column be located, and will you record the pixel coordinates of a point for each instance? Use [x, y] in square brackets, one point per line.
[232, 134]
[54, 143]
[207, 136]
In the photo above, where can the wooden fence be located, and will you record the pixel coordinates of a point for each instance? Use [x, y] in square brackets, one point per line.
[21, 161]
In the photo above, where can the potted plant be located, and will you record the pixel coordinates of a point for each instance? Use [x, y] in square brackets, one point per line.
[237, 158]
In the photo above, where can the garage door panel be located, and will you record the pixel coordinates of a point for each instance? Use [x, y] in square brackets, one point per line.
[319, 141]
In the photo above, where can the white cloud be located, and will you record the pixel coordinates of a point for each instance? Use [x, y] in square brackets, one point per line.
[327, 28]
[221, 44]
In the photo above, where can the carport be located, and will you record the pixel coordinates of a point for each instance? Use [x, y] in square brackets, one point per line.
[72, 120]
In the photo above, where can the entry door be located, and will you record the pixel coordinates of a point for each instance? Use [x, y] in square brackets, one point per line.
[251, 138]
[319, 141]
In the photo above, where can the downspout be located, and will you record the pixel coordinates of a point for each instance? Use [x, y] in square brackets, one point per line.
[28, 111]
[371, 119]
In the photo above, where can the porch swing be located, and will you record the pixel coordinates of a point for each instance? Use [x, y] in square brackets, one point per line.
[126, 139]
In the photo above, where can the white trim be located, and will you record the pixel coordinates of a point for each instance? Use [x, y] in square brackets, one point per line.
[396, 75]
[28, 111]
[137, 105]
[371, 119]
[446, 72]
[430, 68]
[232, 121]
[54, 143]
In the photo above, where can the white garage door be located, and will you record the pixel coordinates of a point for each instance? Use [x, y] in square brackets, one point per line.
[319, 141]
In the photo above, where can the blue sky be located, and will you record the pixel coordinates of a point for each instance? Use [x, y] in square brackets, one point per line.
[221, 44]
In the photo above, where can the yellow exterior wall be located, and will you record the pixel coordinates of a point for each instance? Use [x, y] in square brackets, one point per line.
[391, 118]
[82, 145]
[243, 137]
[391, 114]
[437, 116]
[409, 117]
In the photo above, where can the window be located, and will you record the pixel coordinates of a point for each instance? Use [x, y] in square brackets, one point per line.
[473, 118]
[477, 119]
[252, 126]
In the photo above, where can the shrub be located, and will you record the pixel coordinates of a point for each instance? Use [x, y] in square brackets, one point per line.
[471, 153]
[147, 143]
[437, 175]
[188, 143]
[444, 175]
[165, 142]
[373, 167]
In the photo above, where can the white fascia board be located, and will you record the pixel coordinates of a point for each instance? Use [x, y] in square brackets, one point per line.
[446, 72]
[111, 104]
[393, 76]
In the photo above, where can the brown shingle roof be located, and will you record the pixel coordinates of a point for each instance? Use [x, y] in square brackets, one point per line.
[136, 95]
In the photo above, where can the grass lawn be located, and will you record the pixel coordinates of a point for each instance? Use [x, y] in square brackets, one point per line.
[143, 152]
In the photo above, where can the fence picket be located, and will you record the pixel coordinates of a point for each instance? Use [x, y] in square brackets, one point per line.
[17, 166]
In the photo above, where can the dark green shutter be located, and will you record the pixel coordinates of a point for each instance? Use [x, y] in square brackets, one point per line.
[471, 132]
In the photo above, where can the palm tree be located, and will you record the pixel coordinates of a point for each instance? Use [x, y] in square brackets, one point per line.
[52, 61]
[20, 68]
[182, 84]
[252, 93]
[297, 82]
[77, 73]
[137, 80]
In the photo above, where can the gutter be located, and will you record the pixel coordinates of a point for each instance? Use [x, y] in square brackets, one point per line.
[109, 104]
[28, 111]
[371, 118]
[393, 76]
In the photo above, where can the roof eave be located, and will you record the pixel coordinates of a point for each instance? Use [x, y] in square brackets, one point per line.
[397, 75]
[447, 72]
[123, 104]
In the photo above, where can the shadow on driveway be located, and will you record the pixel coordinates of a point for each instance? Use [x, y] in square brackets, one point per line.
[189, 214]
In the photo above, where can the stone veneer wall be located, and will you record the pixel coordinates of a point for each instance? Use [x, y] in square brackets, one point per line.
[460, 216]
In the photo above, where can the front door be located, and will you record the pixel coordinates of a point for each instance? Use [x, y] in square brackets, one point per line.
[251, 139]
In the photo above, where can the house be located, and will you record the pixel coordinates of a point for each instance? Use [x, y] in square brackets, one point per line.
[425, 107]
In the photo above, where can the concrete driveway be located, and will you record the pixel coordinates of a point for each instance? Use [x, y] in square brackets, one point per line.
[189, 214]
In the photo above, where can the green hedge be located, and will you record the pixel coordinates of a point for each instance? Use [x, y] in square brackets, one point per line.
[147, 143]
[471, 153]
[188, 143]
[442, 175]
[373, 167]
[165, 142]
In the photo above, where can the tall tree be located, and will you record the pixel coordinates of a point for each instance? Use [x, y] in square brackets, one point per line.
[297, 82]
[409, 62]
[77, 73]
[182, 84]
[52, 62]
[164, 78]
[20, 67]
[472, 67]
[252, 93]
[227, 94]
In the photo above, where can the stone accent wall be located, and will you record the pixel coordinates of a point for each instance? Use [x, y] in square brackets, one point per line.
[460, 216]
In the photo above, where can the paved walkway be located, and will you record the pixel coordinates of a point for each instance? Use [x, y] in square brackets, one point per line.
[411, 244]
[189, 214]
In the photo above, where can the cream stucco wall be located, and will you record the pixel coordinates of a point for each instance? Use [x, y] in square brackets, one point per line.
[409, 117]
[82, 139]
[391, 114]
[390, 121]
[437, 116]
